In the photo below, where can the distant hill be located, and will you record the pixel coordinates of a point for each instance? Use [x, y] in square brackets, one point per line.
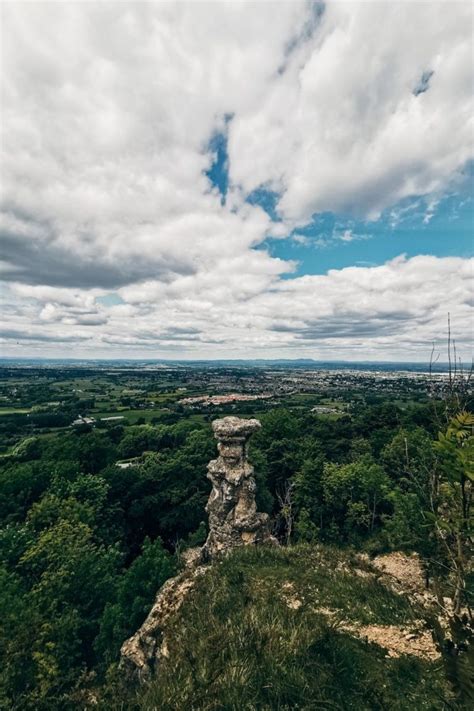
[305, 363]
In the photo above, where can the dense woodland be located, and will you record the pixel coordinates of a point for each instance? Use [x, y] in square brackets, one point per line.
[85, 544]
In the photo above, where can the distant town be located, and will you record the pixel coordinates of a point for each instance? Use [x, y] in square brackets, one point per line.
[41, 399]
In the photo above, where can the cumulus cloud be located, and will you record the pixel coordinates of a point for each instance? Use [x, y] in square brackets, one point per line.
[109, 118]
[398, 308]
[342, 128]
[109, 112]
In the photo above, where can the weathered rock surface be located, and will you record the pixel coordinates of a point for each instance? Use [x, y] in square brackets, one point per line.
[233, 517]
[233, 521]
[141, 653]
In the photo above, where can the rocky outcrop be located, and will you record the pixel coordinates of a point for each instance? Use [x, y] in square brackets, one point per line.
[141, 653]
[233, 517]
[233, 521]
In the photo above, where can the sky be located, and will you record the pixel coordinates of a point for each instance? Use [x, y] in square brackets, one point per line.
[192, 180]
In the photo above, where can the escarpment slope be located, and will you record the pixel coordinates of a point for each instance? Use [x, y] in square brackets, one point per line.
[303, 627]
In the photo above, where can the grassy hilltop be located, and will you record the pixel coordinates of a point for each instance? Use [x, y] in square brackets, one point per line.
[290, 628]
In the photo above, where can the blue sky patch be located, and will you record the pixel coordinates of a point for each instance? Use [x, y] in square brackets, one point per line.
[218, 173]
[424, 83]
[414, 226]
[267, 200]
[112, 299]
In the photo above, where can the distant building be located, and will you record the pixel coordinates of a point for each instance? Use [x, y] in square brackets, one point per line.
[126, 465]
[112, 419]
[80, 420]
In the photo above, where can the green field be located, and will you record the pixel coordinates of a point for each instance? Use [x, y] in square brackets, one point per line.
[14, 410]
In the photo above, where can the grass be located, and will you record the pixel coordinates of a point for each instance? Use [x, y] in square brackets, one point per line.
[324, 577]
[132, 416]
[14, 410]
[236, 644]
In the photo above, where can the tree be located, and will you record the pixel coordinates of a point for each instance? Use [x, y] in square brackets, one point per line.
[28, 449]
[165, 495]
[354, 494]
[450, 514]
[21, 484]
[306, 529]
[136, 591]
[286, 512]
[62, 582]
[409, 456]
[17, 671]
[308, 496]
[94, 451]
[409, 460]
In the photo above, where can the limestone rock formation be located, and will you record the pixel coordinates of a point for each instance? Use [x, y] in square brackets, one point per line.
[141, 653]
[233, 521]
[233, 517]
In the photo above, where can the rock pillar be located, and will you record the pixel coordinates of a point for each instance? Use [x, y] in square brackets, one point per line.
[233, 517]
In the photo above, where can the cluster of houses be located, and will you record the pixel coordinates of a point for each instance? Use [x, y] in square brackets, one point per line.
[207, 400]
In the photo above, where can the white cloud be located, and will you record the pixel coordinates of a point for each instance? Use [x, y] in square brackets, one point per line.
[342, 130]
[398, 308]
[108, 110]
[337, 236]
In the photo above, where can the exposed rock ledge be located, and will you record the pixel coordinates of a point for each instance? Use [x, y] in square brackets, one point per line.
[141, 653]
[233, 521]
